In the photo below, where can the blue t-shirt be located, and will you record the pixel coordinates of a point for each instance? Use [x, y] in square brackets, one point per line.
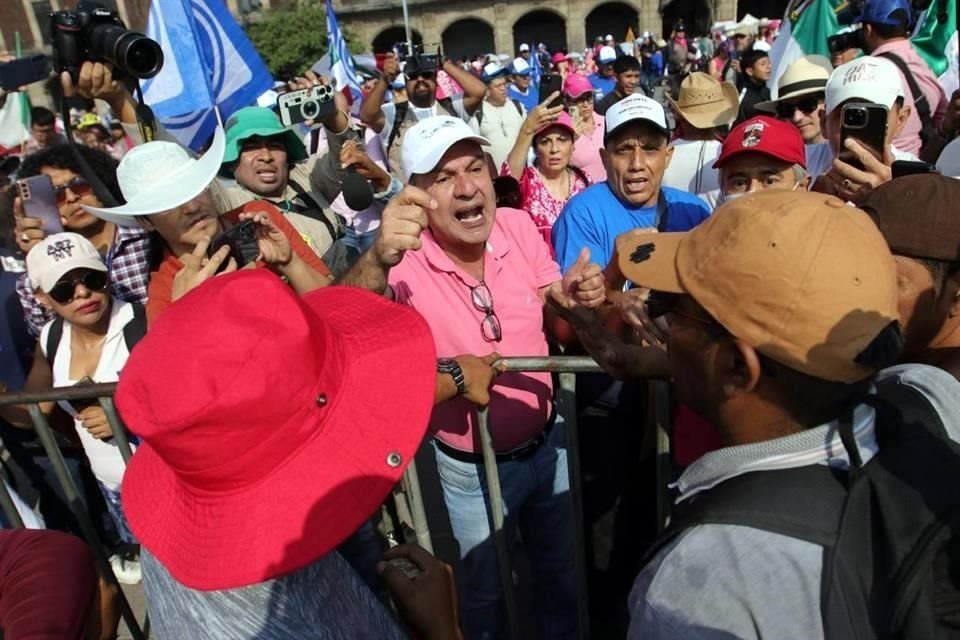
[656, 63]
[529, 101]
[601, 85]
[595, 217]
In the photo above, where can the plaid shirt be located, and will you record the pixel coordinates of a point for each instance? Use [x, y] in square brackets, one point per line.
[128, 262]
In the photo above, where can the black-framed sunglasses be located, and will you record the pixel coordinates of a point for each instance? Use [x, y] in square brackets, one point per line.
[483, 300]
[79, 186]
[63, 292]
[806, 106]
[426, 75]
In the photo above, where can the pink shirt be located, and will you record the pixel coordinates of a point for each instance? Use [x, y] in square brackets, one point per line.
[586, 152]
[517, 264]
[543, 208]
[909, 138]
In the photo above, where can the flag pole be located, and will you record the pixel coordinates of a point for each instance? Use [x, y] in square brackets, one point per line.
[406, 26]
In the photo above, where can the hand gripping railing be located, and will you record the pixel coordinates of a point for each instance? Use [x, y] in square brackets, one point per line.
[104, 393]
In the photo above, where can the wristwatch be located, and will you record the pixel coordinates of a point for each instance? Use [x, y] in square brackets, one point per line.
[448, 365]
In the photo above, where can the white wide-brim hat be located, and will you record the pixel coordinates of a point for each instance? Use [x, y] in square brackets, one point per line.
[159, 176]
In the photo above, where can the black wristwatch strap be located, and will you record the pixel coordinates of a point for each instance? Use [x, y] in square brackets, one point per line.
[448, 365]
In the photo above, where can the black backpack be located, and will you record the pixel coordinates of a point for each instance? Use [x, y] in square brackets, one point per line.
[928, 130]
[401, 113]
[132, 332]
[479, 114]
[890, 528]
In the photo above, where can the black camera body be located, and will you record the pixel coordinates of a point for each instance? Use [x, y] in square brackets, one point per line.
[92, 32]
[415, 59]
[242, 240]
[844, 41]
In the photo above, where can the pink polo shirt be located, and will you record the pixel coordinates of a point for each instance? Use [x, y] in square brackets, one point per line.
[517, 265]
[909, 138]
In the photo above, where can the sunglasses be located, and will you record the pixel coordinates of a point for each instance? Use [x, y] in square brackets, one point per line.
[63, 292]
[660, 304]
[78, 187]
[483, 300]
[806, 106]
[425, 75]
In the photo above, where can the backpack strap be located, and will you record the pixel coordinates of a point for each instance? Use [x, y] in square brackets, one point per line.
[927, 130]
[517, 104]
[804, 503]
[314, 210]
[400, 113]
[134, 330]
[53, 339]
[479, 114]
[447, 105]
[663, 212]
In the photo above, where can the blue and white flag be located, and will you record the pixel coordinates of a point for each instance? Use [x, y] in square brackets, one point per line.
[342, 71]
[536, 70]
[208, 62]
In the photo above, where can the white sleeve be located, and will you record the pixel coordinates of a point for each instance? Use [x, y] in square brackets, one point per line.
[389, 113]
[458, 107]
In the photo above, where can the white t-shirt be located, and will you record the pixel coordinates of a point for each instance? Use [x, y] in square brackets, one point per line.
[820, 158]
[501, 126]
[390, 112]
[691, 169]
[761, 45]
[105, 459]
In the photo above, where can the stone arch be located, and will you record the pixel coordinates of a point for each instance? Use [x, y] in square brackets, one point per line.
[540, 25]
[386, 39]
[612, 18]
[468, 37]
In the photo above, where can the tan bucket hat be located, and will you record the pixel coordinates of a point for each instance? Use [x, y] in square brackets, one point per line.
[706, 102]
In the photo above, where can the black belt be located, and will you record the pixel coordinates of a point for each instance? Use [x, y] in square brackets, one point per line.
[522, 452]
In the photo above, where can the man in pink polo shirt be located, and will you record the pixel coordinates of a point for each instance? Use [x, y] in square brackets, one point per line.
[480, 276]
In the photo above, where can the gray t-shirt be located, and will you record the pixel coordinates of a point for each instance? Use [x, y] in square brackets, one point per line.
[325, 600]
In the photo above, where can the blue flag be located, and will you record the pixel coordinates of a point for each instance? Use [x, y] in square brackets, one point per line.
[342, 71]
[208, 62]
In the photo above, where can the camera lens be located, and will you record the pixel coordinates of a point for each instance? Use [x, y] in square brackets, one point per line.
[310, 109]
[129, 51]
[856, 117]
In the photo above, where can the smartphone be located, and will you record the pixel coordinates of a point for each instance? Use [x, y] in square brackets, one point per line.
[242, 240]
[901, 168]
[865, 122]
[83, 403]
[40, 201]
[549, 83]
[23, 71]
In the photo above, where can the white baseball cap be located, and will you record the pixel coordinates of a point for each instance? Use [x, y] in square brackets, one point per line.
[868, 79]
[493, 70]
[59, 254]
[425, 143]
[524, 47]
[608, 38]
[635, 107]
[520, 67]
[607, 55]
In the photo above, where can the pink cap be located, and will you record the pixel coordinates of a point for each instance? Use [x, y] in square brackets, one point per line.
[563, 120]
[559, 56]
[576, 85]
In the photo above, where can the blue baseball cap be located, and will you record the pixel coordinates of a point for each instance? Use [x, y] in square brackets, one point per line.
[881, 12]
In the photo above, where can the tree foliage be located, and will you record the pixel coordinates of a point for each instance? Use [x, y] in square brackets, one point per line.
[292, 39]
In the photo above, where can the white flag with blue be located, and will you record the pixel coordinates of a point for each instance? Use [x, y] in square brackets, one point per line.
[536, 72]
[208, 62]
[342, 71]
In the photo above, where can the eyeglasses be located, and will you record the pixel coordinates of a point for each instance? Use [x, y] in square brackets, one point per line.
[483, 300]
[806, 105]
[63, 292]
[425, 75]
[78, 187]
[660, 304]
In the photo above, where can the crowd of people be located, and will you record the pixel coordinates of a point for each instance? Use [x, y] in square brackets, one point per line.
[282, 357]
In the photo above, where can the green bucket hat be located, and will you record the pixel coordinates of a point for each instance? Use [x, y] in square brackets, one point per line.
[257, 121]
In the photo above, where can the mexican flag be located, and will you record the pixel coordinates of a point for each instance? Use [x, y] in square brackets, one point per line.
[808, 23]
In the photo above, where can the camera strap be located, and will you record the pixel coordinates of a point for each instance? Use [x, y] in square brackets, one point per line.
[106, 197]
[146, 121]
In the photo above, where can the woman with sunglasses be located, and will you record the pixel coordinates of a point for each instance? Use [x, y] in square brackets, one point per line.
[578, 99]
[547, 184]
[71, 280]
[124, 250]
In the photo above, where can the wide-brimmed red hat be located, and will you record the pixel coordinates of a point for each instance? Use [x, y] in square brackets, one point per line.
[273, 425]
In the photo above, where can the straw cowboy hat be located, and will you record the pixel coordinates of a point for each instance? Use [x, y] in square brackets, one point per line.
[803, 76]
[705, 102]
[268, 448]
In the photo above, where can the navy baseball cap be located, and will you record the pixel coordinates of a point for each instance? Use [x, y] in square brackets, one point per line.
[881, 12]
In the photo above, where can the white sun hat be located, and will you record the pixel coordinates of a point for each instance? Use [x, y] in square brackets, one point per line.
[160, 176]
[425, 143]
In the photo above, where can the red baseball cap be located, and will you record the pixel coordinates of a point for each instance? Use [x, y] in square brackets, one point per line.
[273, 425]
[766, 135]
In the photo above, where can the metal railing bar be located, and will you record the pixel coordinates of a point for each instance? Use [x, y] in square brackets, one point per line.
[496, 515]
[9, 508]
[559, 364]
[119, 429]
[72, 495]
[417, 510]
[59, 393]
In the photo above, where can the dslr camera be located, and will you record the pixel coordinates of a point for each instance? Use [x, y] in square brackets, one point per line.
[92, 32]
[844, 41]
[316, 103]
[414, 59]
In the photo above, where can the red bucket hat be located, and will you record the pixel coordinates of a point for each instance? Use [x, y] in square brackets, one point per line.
[273, 425]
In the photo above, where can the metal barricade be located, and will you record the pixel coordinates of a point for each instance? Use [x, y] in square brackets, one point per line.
[104, 393]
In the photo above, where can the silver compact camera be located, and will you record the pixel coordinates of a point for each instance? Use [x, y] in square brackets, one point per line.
[316, 103]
